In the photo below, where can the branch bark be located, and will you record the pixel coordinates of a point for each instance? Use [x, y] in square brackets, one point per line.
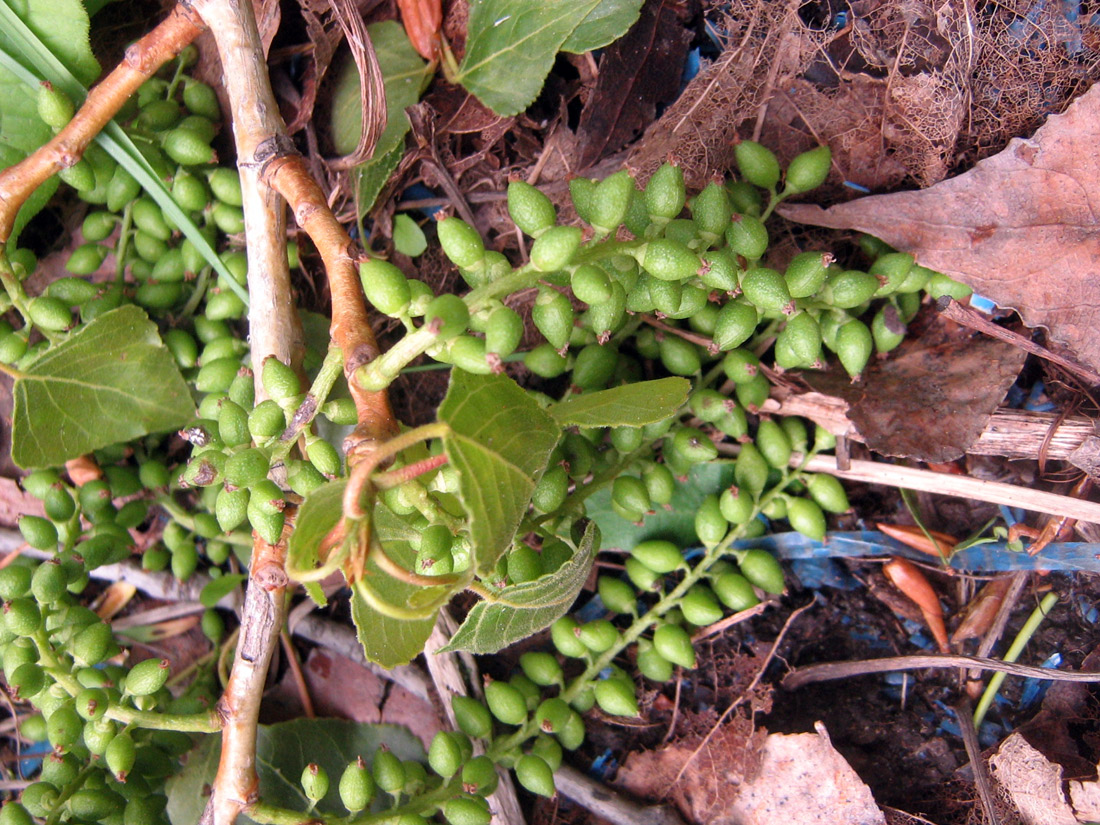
[141, 62]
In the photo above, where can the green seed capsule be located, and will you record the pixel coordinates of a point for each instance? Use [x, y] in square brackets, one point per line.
[555, 248]
[854, 346]
[808, 170]
[216, 376]
[664, 194]
[121, 754]
[700, 607]
[188, 148]
[673, 643]
[524, 564]
[747, 236]
[64, 727]
[49, 582]
[324, 457]
[148, 218]
[891, 270]
[472, 717]
[693, 446]
[39, 798]
[940, 285]
[536, 775]
[736, 507]
[121, 189]
[385, 286]
[388, 771]
[357, 786]
[850, 289]
[616, 595]
[15, 814]
[448, 316]
[503, 331]
[710, 525]
[551, 489]
[279, 380]
[757, 164]
[806, 273]
[27, 680]
[39, 533]
[314, 782]
[87, 257]
[610, 202]
[887, 329]
[735, 324]
[184, 562]
[767, 290]
[444, 755]
[506, 703]
[530, 209]
[760, 567]
[806, 517]
[711, 212]
[799, 342]
[741, 366]
[464, 810]
[751, 470]
[631, 494]
[461, 243]
[659, 483]
[228, 219]
[581, 191]
[735, 591]
[15, 581]
[828, 492]
[50, 313]
[669, 260]
[54, 106]
[563, 633]
[591, 283]
[225, 183]
[266, 420]
[552, 715]
[81, 177]
[616, 697]
[598, 636]
[545, 361]
[13, 346]
[541, 668]
[189, 192]
[753, 393]
[658, 555]
[679, 356]
[22, 617]
[773, 444]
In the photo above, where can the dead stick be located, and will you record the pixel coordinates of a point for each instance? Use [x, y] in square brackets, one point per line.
[965, 716]
[141, 62]
[845, 670]
[911, 478]
[968, 317]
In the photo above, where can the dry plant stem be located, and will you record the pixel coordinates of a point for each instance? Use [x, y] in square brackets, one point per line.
[236, 784]
[982, 779]
[968, 317]
[845, 670]
[351, 330]
[893, 475]
[609, 805]
[1000, 622]
[141, 62]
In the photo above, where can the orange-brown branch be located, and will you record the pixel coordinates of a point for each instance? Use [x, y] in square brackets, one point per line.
[351, 330]
[141, 62]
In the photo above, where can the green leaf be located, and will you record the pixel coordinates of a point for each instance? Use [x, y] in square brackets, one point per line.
[21, 132]
[109, 382]
[631, 405]
[60, 26]
[676, 524]
[606, 23]
[499, 443]
[408, 237]
[282, 752]
[405, 76]
[217, 589]
[519, 611]
[511, 46]
[318, 514]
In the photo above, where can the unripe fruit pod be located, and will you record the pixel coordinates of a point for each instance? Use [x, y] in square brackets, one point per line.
[541, 667]
[590, 283]
[189, 192]
[828, 492]
[630, 493]
[679, 356]
[563, 633]
[693, 445]
[247, 467]
[314, 782]
[225, 183]
[665, 296]
[188, 148]
[850, 288]
[535, 774]
[266, 420]
[658, 555]
[750, 470]
[735, 324]
[616, 697]
[616, 595]
[711, 211]
[324, 457]
[808, 170]
[200, 99]
[735, 506]
[54, 106]
[669, 260]
[465, 810]
[551, 489]
[710, 525]
[15, 580]
[757, 164]
[581, 191]
[552, 715]
[39, 533]
[64, 727]
[530, 209]
[49, 582]
[461, 243]
[120, 756]
[747, 236]
[735, 591]
[760, 567]
[27, 680]
[887, 329]
[806, 517]
[891, 270]
[610, 202]
[766, 289]
[39, 798]
[86, 259]
[773, 444]
[49, 313]
[479, 775]
[357, 786]
[81, 177]
[652, 664]
[385, 286]
[854, 345]
[22, 617]
[447, 315]
[388, 771]
[503, 331]
[147, 677]
[95, 805]
[659, 483]
[599, 635]
[279, 380]
[553, 317]
[699, 606]
[472, 717]
[673, 643]
[799, 342]
[15, 814]
[640, 575]
[940, 285]
[506, 703]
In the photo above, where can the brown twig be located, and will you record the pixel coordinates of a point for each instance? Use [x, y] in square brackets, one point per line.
[968, 317]
[236, 786]
[964, 715]
[141, 62]
[844, 670]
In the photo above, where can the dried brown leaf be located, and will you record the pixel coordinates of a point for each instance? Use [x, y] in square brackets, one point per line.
[1020, 227]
